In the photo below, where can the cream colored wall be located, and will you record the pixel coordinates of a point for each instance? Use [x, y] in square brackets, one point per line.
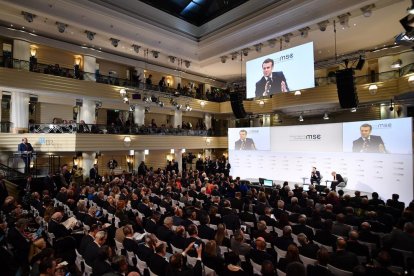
[50, 111]
[52, 56]
[106, 66]
[159, 119]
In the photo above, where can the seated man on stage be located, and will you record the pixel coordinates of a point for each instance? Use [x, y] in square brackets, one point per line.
[337, 178]
[315, 176]
[26, 151]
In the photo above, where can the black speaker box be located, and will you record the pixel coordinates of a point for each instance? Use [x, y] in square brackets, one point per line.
[236, 100]
[345, 84]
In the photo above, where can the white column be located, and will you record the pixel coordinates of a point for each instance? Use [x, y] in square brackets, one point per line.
[139, 115]
[207, 120]
[88, 160]
[21, 51]
[178, 118]
[178, 156]
[87, 111]
[89, 67]
[19, 111]
[207, 153]
[139, 156]
[384, 65]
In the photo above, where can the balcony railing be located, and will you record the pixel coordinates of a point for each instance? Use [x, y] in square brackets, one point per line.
[114, 129]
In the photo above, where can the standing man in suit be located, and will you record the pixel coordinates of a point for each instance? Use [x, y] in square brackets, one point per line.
[93, 173]
[271, 82]
[367, 142]
[337, 178]
[244, 143]
[315, 176]
[26, 151]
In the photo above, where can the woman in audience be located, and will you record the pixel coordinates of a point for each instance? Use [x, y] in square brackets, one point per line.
[220, 236]
[292, 255]
[320, 268]
[238, 244]
[233, 266]
[213, 216]
[102, 263]
[210, 258]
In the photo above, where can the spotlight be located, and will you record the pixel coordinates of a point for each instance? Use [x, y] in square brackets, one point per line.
[258, 47]
[136, 48]
[187, 63]
[223, 59]
[98, 105]
[323, 25]
[161, 104]
[202, 104]
[122, 92]
[287, 37]
[155, 54]
[325, 116]
[272, 42]
[147, 109]
[178, 106]
[29, 17]
[188, 107]
[261, 103]
[367, 10]
[90, 35]
[61, 27]
[245, 51]
[233, 55]
[373, 88]
[298, 93]
[301, 118]
[396, 64]
[354, 109]
[344, 19]
[114, 42]
[126, 100]
[132, 108]
[172, 59]
[304, 32]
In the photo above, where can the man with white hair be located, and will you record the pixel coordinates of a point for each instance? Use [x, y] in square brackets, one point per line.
[164, 232]
[55, 226]
[91, 253]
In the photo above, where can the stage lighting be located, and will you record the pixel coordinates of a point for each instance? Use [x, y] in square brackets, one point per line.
[223, 59]
[323, 25]
[187, 63]
[304, 32]
[261, 103]
[301, 118]
[287, 37]
[391, 106]
[114, 42]
[161, 104]
[325, 116]
[354, 109]
[178, 106]
[188, 107]
[245, 51]
[90, 35]
[344, 19]
[272, 42]
[298, 93]
[147, 109]
[136, 48]
[61, 27]
[155, 54]
[126, 100]
[373, 88]
[172, 59]
[233, 55]
[98, 105]
[367, 10]
[258, 47]
[396, 64]
[29, 17]
[122, 92]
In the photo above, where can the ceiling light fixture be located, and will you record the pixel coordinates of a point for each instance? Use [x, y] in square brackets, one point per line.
[136, 48]
[367, 10]
[114, 42]
[245, 51]
[304, 32]
[90, 35]
[233, 55]
[188, 107]
[301, 118]
[261, 103]
[172, 59]
[223, 59]
[298, 93]
[122, 92]
[354, 109]
[323, 25]
[187, 63]
[258, 47]
[202, 104]
[272, 42]
[326, 116]
[344, 19]
[61, 27]
[287, 37]
[373, 88]
[155, 54]
[29, 17]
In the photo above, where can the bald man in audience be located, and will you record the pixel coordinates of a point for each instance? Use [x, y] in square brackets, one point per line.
[342, 258]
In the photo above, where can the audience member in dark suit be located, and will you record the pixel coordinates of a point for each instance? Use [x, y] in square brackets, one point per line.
[144, 207]
[302, 228]
[87, 240]
[91, 252]
[232, 221]
[262, 232]
[211, 259]
[129, 243]
[204, 231]
[307, 248]
[55, 227]
[366, 235]
[20, 242]
[292, 255]
[151, 225]
[403, 240]
[259, 254]
[233, 267]
[178, 240]
[315, 176]
[324, 236]
[246, 215]
[267, 217]
[320, 268]
[285, 240]
[146, 250]
[177, 265]
[102, 263]
[164, 232]
[237, 201]
[193, 237]
[342, 258]
[238, 244]
[157, 263]
[354, 246]
[339, 227]
[395, 203]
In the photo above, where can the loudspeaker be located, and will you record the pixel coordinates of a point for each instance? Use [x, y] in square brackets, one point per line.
[360, 64]
[236, 99]
[345, 85]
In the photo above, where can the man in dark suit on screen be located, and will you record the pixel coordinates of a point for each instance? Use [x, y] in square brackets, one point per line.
[271, 82]
[367, 142]
[244, 143]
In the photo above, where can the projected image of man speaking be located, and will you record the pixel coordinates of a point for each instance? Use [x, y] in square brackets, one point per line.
[271, 82]
[367, 142]
[244, 143]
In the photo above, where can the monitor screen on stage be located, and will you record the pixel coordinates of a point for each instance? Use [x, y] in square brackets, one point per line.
[284, 71]
[373, 155]
[268, 183]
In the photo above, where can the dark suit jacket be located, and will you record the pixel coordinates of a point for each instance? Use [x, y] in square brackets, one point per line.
[130, 245]
[259, 256]
[85, 243]
[318, 270]
[100, 267]
[206, 232]
[248, 144]
[309, 250]
[144, 253]
[277, 78]
[158, 264]
[344, 260]
[25, 147]
[91, 253]
[21, 245]
[164, 234]
[58, 229]
[372, 146]
[316, 177]
[299, 228]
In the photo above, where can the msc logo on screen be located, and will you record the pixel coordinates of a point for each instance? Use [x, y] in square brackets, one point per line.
[313, 137]
[287, 57]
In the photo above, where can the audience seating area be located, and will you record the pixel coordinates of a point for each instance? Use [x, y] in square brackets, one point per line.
[191, 223]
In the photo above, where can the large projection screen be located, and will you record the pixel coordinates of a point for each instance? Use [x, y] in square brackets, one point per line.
[384, 164]
[293, 66]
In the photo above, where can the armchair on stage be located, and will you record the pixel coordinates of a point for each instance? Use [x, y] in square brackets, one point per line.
[343, 184]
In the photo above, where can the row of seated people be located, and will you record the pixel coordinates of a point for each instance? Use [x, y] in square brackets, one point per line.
[193, 204]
